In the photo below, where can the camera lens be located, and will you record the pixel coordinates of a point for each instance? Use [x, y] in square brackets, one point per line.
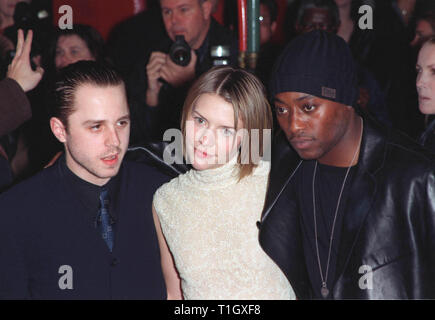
[180, 51]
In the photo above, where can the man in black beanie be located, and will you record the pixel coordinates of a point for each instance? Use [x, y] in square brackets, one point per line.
[350, 211]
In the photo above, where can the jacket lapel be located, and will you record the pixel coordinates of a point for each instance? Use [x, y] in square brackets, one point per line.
[285, 162]
[362, 193]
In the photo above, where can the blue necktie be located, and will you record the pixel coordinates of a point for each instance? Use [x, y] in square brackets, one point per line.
[104, 219]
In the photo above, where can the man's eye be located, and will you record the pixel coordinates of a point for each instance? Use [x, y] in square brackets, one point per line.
[123, 123]
[309, 107]
[280, 110]
[96, 127]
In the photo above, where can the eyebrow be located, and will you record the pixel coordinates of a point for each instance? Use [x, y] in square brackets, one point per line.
[88, 122]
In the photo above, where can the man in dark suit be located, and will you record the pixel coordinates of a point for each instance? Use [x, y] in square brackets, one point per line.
[83, 228]
[350, 210]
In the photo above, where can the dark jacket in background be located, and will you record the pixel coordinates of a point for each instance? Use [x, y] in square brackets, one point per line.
[427, 139]
[14, 106]
[130, 40]
[14, 111]
[149, 123]
[389, 221]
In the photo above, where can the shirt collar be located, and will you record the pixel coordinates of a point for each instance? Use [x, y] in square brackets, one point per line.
[89, 193]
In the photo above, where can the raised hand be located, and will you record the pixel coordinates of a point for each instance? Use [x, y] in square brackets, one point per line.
[20, 69]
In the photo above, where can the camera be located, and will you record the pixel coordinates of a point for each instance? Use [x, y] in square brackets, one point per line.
[180, 51]
[220, 55]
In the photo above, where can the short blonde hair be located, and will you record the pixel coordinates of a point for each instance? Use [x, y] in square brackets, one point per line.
[248, 97]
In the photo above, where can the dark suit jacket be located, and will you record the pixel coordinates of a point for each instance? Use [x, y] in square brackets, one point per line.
[44, 230]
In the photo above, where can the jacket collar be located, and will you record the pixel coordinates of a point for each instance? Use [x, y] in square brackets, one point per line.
[285, 163]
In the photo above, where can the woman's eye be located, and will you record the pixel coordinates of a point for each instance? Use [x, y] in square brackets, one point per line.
[228, 132]
[199, 120]
[122, 123]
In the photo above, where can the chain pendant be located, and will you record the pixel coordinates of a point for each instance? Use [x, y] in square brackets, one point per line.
[324, 291]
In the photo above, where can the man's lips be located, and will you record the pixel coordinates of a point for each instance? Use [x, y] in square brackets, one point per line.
[301, 143]
[110, 159]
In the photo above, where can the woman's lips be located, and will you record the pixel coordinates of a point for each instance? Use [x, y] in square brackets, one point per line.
[201, 154]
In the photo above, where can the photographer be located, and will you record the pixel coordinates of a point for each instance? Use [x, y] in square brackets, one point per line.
[159, 86]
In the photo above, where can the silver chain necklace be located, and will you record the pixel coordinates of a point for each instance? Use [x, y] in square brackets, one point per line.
[324, 291]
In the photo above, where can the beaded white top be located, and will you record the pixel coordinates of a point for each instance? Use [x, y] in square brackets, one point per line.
[209, 221]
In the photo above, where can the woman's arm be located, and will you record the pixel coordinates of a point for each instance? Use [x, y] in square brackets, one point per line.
[172, 279]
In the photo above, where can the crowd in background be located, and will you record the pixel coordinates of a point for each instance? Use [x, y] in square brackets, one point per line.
[385, 55]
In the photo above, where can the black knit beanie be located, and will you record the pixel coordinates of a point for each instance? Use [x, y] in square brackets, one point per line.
[317, 63]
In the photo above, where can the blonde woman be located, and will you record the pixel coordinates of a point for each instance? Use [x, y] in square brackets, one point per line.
[206, 218]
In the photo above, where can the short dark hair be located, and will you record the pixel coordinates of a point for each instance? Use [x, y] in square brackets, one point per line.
[273, 8]
[93, 39]
[75, 75]
[329, 5]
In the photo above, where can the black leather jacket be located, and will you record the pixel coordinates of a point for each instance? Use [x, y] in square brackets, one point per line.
[154, 154]
[388, 227]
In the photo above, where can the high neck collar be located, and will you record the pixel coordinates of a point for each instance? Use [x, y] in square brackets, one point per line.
[220, 177]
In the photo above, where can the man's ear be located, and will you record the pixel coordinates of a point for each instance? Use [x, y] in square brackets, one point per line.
[207, 6]
[58, 129]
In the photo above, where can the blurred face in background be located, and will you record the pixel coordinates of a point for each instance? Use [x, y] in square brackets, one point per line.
[316, 19]
[426, 79]
[423, 31]
[190, 18]
[7, 9]
[70, 49]
[267, 26]
[343, 3]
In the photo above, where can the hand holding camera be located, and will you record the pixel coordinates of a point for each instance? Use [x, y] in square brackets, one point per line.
[176, 68]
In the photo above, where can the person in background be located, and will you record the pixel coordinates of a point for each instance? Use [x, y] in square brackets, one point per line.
[269, 50]
[15, 107]
[424, 28]
[158, 87]
[7, 9]
[426, 91]
[82, 42]
[324, 15]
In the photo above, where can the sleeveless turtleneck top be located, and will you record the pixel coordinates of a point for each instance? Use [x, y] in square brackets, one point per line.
[209, 220]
